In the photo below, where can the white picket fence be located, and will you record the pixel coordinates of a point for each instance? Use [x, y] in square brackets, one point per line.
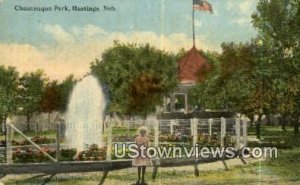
[236, 128]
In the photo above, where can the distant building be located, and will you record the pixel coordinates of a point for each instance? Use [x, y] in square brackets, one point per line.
[192, 68]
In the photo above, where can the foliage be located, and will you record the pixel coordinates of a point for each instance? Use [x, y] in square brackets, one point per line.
[51, 97]
[68, 154]
[136, 76]
[278, 24]
[92, 154]
[31, 156]
[8, 87]
[56, 95]
[260, 77]
[231, 82]
[65, 89]
[30, 93]
[36, 156]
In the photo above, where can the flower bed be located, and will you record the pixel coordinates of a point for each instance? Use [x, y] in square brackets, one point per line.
[92, 154]
[203, 139]
[214, 140]
[36, 139]
[36, 156]
[31, 155]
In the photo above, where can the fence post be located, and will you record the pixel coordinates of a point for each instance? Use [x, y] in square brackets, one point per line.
[58, 130]
[156, 132]
[237, 132]
[223, 130]
[195, 131]
[8, 142]
[210, 123]
[172, 123]
[192, 126]
[109, 139]
[245, 132]
[186, 107]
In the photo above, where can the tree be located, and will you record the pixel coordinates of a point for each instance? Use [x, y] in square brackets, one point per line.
[50, 99]
[8, 88]
[236, 84]
[137, 77]
[232, 80]
[278, 25]
[31, 92]
[65, 89]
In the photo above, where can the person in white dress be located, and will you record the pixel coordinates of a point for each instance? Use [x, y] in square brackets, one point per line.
[141, 162]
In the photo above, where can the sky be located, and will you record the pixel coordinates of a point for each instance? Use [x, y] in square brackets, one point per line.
[65, 42]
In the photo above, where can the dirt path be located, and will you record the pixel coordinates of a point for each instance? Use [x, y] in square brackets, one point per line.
[174, 175]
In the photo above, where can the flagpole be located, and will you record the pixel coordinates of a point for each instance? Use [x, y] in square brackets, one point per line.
[193, 24]
[162, 24]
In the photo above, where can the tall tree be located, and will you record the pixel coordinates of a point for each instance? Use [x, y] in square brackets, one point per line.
[8, 92]
[236, 83]
[30, 93]
[136, 77]
[278, 25]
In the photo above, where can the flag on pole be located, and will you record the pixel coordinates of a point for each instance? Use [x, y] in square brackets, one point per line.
[202, 5]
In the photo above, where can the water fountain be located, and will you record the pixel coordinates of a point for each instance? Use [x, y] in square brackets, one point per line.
[85, 114]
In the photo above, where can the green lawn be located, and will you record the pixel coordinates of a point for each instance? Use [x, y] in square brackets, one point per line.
[124, 131]
[18, 137]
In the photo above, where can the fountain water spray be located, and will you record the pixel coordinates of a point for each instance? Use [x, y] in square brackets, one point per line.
[85, 114]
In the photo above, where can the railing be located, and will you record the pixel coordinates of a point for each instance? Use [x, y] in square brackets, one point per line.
[192, 128]
[10, 128]
[236, 128]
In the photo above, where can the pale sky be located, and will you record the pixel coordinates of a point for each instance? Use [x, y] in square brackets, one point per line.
[62, 43]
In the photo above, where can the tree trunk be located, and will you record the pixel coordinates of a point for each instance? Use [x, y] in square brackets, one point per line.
[283, 122]
[4, 127]
[258, 126]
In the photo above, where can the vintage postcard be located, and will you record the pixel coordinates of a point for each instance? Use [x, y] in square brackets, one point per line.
[149, 92]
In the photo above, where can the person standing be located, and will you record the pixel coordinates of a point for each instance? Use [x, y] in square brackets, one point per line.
[141, 161]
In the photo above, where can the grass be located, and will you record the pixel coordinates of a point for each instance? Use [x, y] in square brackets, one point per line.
[18, 137]
[124, 131]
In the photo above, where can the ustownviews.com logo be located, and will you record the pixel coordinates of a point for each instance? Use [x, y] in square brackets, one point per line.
[134, 151]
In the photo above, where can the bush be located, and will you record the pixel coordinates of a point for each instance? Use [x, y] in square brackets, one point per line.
[92, 154]
[32, 155]
[68, 154]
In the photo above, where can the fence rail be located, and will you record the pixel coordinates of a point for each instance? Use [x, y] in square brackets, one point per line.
[173, 131]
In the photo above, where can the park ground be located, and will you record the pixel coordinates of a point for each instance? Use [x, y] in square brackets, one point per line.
[283, 170]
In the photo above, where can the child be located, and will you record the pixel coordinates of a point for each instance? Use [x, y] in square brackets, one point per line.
[140, 162]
